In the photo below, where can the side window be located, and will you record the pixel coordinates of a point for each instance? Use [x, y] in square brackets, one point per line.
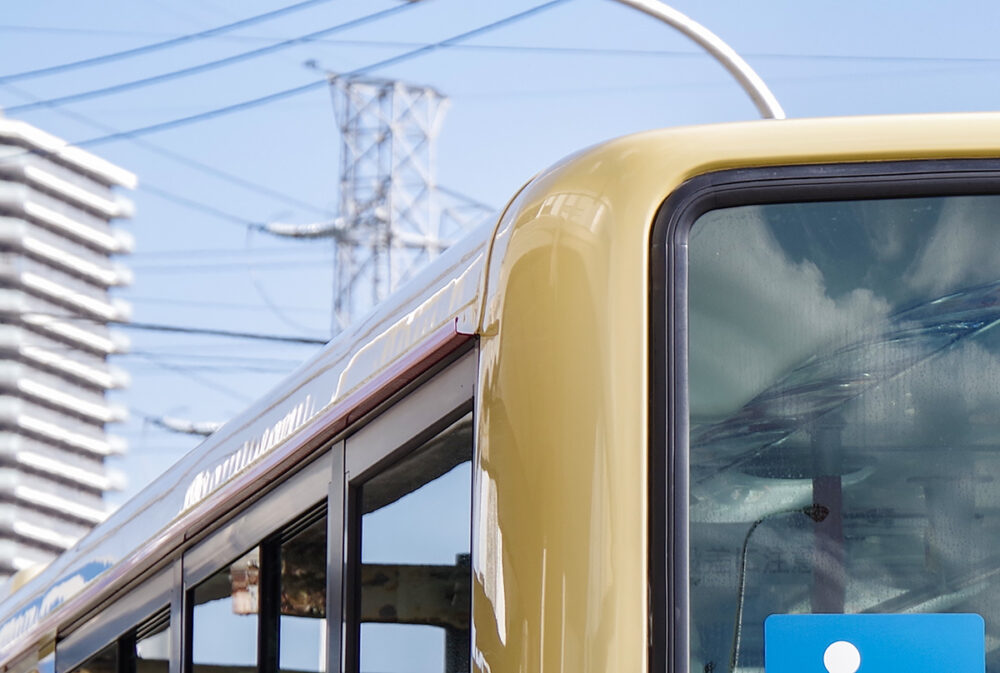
[105, 661]
[133, 634]
[152, 645]
[376, 575]
[407, 499]
[266, 610]
[412, 571]
[224, 617]
[144, 649]
[302, 621]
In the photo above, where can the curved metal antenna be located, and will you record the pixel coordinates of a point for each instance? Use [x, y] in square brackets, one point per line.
[751, 82]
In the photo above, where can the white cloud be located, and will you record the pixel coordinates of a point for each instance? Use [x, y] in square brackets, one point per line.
[962, 251]
[755, 314]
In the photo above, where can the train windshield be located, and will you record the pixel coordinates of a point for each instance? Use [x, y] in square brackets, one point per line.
[844, 394]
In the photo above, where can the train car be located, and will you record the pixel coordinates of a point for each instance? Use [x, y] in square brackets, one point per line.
[702, 399]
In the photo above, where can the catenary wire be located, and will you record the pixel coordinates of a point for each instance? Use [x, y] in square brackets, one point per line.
[422, 49]
[320, 260]
[539, 49]
[185, 161]
[311, 86]
[191, 373]
[204, 67]
[219, 213]
[225, 305]
[200, 206]
[275, 307]
[156, 46]
[218, 359]
[180, 329]
[233, 334]
[240, 368]
[179, 199]
[214, 253]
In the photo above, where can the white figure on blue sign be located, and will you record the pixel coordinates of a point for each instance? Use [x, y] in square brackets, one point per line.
[842, 657]
[907, 643]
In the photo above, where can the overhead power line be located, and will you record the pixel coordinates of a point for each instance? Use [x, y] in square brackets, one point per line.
[269, 227]
[304, 88]
[199, 206]
[194, 374]
[322, 260]
[204, 67]
[527, 48]
[188, 254]
[202, 116]
[201, 358]
[238, 180]
[254, 336]
[669, 53]
[133, 135]
[180, 329]
[185, 161]
[237, 369]
[466, 199]
[156, 46]
[226, 176]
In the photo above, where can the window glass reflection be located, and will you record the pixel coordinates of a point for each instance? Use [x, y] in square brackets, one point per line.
[152, 645]
[47, 664]
[224, 626]
[105, 661]
[415, 576]
[843, 355]
[303, 600]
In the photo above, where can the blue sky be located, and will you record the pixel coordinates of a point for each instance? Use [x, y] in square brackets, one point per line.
[513, 112]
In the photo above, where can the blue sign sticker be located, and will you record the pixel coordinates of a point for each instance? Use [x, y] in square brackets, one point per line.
[953, 643]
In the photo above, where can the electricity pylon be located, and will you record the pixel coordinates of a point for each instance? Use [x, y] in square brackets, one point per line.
[393, 217]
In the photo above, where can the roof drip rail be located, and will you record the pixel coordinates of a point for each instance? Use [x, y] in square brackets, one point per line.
[751, 82]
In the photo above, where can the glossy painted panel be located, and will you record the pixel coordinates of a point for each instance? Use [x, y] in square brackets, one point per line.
[563, 319]
[559, 566]
[561, 542]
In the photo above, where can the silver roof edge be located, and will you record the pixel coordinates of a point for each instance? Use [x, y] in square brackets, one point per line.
[427, 316]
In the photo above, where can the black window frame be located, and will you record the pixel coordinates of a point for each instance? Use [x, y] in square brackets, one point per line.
[119, 622]
[324, 484]
[303, 496]
[669, 493]
[328, 482]
[403, 428]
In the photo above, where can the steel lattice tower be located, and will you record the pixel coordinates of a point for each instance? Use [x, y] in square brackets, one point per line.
[393, 219]
[393, 216]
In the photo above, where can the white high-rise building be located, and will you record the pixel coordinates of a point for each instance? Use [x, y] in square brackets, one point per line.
[56, 270]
